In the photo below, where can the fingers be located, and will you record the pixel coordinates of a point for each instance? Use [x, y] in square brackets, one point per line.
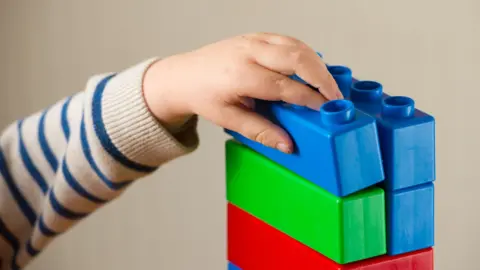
[275, 39]
[248, 103]
[275, 86]
[289, 56]
[256, 128]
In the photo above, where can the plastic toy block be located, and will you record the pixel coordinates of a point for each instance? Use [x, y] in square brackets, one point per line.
[336, 148]
[343, 77]
[255, 245]
[344, 229]
[407, 134]
[232, 266]
[410, 219]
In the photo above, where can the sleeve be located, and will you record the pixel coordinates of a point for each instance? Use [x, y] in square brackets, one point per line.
[60, 165]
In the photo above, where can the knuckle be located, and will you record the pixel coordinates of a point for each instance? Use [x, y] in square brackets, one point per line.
[281, 85]
[262, 136]
[243, 43]
[296, 55]
[288, 40]
[280, 81]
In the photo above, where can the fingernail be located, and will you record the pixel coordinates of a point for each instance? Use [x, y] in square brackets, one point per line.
[284, 148]
[339, 95]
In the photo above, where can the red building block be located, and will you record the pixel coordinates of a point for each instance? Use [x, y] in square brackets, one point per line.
[255, 245]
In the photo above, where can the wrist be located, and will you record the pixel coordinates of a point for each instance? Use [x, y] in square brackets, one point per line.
[162, 98]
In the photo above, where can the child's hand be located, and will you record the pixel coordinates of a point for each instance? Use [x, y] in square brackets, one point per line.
[220, 81]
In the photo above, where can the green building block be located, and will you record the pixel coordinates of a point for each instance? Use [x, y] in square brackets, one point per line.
[344, 229]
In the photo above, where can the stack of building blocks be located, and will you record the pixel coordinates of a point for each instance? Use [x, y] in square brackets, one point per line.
[357, 193]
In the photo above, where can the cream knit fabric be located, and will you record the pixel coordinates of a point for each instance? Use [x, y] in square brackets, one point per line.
[59, 165]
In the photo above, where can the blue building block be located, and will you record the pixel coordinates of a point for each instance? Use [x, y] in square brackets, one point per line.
[410, 219]
[336, 148]
[232, 266]
[407, 134]
[343, 77]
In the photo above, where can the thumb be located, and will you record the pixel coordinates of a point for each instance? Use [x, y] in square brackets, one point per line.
[255, 127]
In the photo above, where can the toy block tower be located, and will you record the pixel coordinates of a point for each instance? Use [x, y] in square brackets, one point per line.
[357, 193]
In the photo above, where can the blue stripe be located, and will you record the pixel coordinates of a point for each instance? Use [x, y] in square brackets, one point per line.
[47, 151]
[77, 187]
[31, 250]
[9, 237]
[12, 240]
[27, 161]
[16, 194]
[103, 135]
[44, 229]
[62, 211]
[64, 118]
[88, 155]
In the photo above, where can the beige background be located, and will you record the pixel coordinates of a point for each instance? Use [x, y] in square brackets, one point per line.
[175, 220]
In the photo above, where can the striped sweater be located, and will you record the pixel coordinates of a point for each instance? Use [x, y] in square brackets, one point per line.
[59, 165]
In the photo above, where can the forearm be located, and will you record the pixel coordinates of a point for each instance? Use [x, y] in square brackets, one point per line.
[62, 164]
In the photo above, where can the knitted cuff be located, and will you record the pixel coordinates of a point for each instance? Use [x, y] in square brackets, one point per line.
[133, 129]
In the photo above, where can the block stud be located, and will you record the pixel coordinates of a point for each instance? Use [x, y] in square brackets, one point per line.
[398, 107]
[337, 112]
[343, 77]
[366, 91]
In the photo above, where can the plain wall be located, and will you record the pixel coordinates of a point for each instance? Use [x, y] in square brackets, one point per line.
[175, 219]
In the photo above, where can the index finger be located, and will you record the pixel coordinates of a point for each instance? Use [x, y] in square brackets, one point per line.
[292, 57]
[311, 69]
